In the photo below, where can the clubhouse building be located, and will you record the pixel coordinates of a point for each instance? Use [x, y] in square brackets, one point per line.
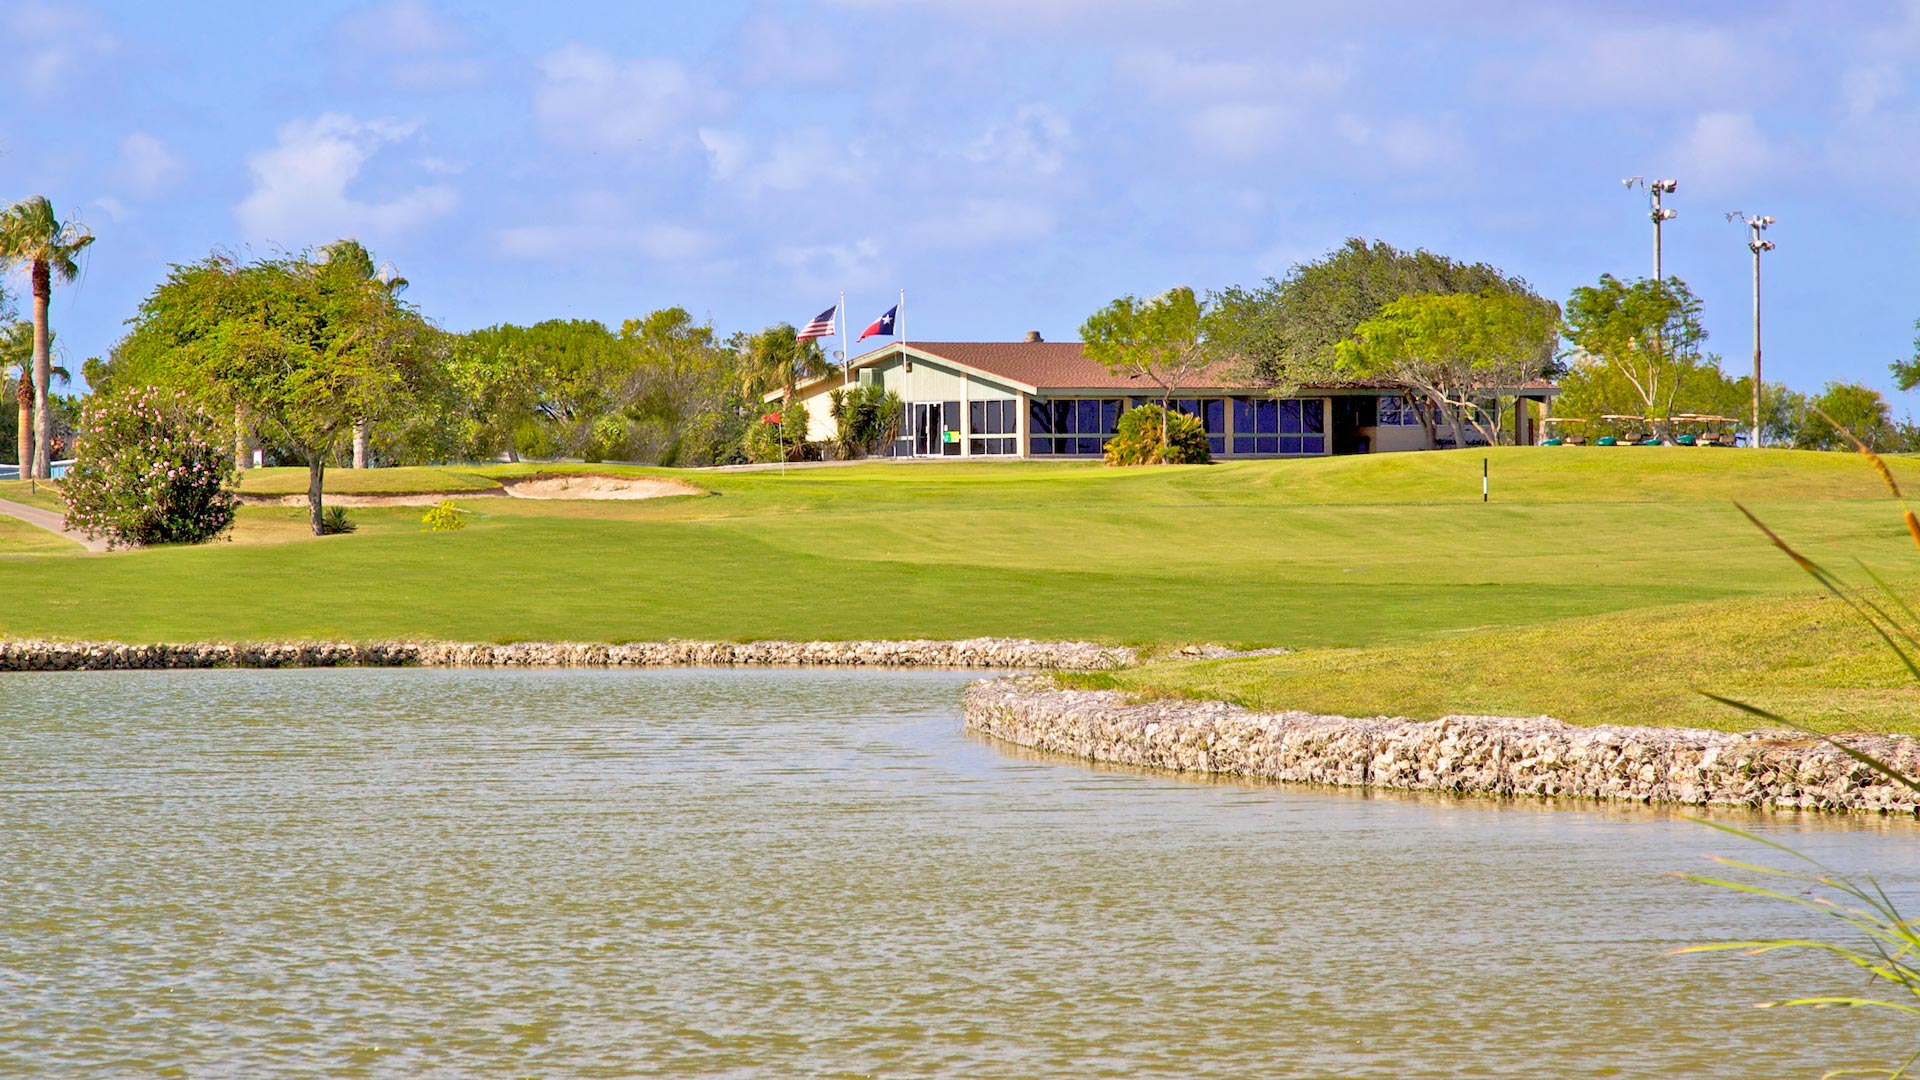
[1041, 399]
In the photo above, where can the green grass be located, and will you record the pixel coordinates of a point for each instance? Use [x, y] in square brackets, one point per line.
[1345, 553]
[1806, 657]
[43, 494]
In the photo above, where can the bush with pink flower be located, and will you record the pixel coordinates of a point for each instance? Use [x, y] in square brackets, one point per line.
[150, 467]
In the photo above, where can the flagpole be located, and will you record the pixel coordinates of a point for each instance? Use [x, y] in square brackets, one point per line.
[846, 350]
[913, 412]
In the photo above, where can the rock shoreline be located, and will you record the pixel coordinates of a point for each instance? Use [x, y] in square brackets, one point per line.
[1016, 653]
[1500, 756]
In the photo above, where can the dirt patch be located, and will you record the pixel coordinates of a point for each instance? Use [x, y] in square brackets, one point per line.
[590, 486]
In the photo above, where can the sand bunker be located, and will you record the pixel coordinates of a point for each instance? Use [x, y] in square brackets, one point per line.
[586, 486]
[538, 486]
[414, 499]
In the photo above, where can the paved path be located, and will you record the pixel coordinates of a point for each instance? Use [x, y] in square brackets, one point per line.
[50, 521]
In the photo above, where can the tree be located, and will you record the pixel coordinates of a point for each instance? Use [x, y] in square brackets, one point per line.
[16, 351]
[385, 323]
[1855, 408]
[1455, 350]
[776, 359]
[1162, 339]
[1649, 331]
[301, 344]
[33, 235]
[1287, 333]
[1906, 373]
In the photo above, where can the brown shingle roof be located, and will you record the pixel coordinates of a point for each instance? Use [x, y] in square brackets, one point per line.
[1048, 364]
[1061, 365]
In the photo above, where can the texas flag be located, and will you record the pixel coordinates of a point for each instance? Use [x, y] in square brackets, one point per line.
[881, 325]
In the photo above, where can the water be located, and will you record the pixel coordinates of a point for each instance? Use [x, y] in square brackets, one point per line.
[814, 873]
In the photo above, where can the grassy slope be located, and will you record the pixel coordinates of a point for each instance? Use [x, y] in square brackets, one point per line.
[1348, 552]
[1806, 657]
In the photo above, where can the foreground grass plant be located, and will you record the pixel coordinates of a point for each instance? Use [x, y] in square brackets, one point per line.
[1883, 944]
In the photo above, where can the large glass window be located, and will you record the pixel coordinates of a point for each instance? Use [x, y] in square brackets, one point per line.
[1079, 426]
[994, 426]
[1289, 426]
[1211, 412]
[1398, 411]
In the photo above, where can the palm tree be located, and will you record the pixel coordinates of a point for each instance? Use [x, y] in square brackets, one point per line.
[16, 350]
[31, 233]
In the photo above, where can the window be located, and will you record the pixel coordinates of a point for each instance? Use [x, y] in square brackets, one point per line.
[1079, 426]
[1398, 411]
[1289, 426]
[994, 426]
[1212, 412]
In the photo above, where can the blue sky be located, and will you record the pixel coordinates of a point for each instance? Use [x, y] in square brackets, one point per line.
[1012, 164]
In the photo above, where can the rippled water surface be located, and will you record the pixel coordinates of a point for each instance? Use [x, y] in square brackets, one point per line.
[807, 873]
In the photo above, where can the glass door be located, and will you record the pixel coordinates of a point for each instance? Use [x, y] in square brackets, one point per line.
[927, 429]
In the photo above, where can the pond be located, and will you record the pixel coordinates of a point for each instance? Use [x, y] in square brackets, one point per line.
[754, 873]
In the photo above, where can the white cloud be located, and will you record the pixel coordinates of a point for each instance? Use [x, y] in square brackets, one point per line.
[656, 242]
[1169, 77]
[55, 47]
[819, 269]
[1724, 151]
[114, 209]
[1616, 68]
[1239, 129]
[404, 44]
[798, 161]
[1866, 90]
[1035, 141]
[983, 223]
[589, 99]
[300, 185]
[146, 166]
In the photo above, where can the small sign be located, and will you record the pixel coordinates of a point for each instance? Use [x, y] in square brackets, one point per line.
[951, 436]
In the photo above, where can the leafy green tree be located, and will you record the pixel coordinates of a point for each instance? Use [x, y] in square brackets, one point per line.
[1286, 333]
[1906, 373]
[386, 324]
[1856, 408]
[775, 359]
[1163, 339]
[1649, 331]
[31, 234]
[1457, 350]
[301, 344]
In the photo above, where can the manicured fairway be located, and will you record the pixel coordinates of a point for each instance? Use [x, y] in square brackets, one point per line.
[1346, 552]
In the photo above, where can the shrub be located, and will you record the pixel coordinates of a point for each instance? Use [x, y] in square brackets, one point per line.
[444, 518]
[1137, 439]
[867, 418]
[781, 435]
[151, 468]
[335, 522]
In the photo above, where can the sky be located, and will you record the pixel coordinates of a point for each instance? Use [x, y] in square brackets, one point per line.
[1011, 164]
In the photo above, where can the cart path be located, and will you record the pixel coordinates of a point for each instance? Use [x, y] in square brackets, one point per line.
[50, 521]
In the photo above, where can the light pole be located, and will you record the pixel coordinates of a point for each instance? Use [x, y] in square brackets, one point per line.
[1659, 214]
[1756, 245]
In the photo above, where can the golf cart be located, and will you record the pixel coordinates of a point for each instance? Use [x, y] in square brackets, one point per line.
[1563, 436]
[1634, 431]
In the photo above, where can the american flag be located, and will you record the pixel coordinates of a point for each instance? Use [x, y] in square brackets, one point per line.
[821, 326]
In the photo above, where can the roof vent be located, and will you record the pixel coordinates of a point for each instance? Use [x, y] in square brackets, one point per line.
[1033, 337]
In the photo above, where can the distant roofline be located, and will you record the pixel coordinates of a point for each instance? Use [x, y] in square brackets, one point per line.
[844, 372]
